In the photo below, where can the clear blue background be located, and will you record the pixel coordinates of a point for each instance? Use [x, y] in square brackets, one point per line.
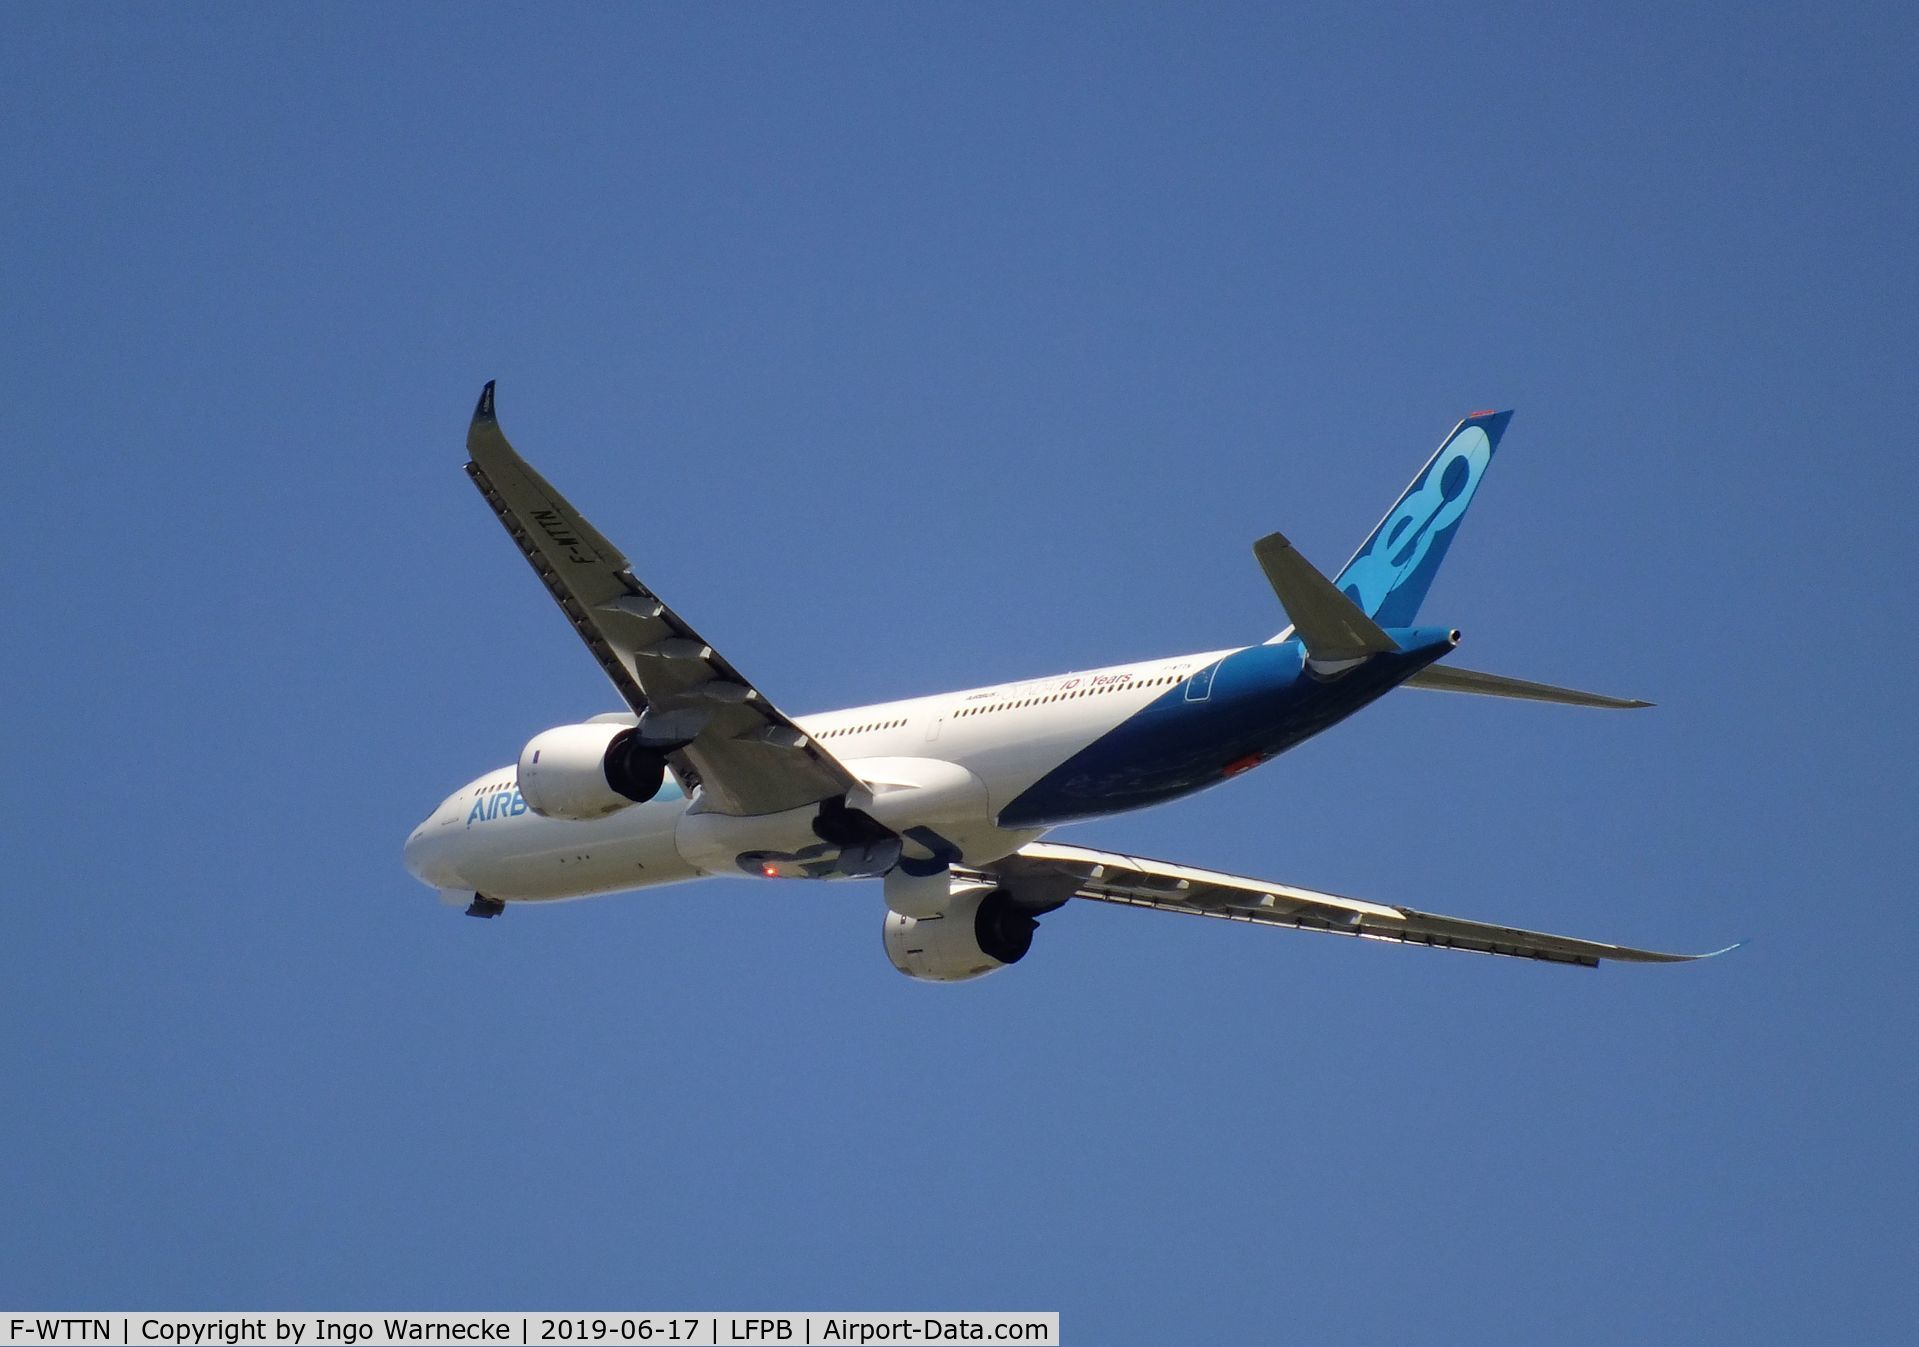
[907, 348]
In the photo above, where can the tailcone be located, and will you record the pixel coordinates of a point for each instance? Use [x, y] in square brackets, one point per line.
[1423, 645]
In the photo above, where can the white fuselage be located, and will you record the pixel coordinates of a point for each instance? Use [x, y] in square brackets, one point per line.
[943, 799]
[959, 758]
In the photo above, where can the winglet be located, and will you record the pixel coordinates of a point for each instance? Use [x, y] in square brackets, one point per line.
[1625, 955]
[484, 412]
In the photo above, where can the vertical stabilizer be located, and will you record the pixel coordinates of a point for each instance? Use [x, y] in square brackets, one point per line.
[1389, 576]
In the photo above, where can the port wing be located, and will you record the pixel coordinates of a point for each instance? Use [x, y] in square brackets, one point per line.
[721, 733]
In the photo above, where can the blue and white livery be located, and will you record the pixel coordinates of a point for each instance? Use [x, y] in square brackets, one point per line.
[946, 800]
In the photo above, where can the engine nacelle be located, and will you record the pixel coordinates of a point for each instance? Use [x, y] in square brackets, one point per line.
[582, 772]
[981, 931]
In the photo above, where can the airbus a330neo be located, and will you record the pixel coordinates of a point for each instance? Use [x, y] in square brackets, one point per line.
[945, 799]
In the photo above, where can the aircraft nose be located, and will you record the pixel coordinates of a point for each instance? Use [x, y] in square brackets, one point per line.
[415, 855]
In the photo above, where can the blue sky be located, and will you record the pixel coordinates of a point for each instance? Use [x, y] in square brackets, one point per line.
[906, 348]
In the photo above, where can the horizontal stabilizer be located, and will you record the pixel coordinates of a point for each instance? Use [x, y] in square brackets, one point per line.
[1330, 625]
[1452, 678]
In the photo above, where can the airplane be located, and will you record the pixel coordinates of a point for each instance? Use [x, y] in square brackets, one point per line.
[946, 799]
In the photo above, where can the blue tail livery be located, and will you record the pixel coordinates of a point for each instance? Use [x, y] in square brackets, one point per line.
[1389, 576]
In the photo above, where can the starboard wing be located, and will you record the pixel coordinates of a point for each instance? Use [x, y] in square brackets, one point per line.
[1058, 872]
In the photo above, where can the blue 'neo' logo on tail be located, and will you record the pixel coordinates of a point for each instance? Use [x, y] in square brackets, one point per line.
[1395, 566]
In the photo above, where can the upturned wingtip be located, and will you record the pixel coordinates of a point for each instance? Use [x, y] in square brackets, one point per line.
[484, 412]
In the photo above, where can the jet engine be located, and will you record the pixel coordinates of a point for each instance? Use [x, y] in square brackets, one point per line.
[981, 931]
[582, 772]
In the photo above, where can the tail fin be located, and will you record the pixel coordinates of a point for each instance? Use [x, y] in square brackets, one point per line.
[1389, 576]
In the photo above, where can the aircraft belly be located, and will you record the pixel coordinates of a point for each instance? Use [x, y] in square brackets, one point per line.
[1257, 703]
[919, 809]
[1010, 759]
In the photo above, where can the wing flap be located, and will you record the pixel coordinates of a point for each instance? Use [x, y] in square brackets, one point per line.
[1134, 881]
[740, 750]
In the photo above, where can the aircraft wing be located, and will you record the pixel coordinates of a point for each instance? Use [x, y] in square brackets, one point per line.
[733, 743]
[1058, 872]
